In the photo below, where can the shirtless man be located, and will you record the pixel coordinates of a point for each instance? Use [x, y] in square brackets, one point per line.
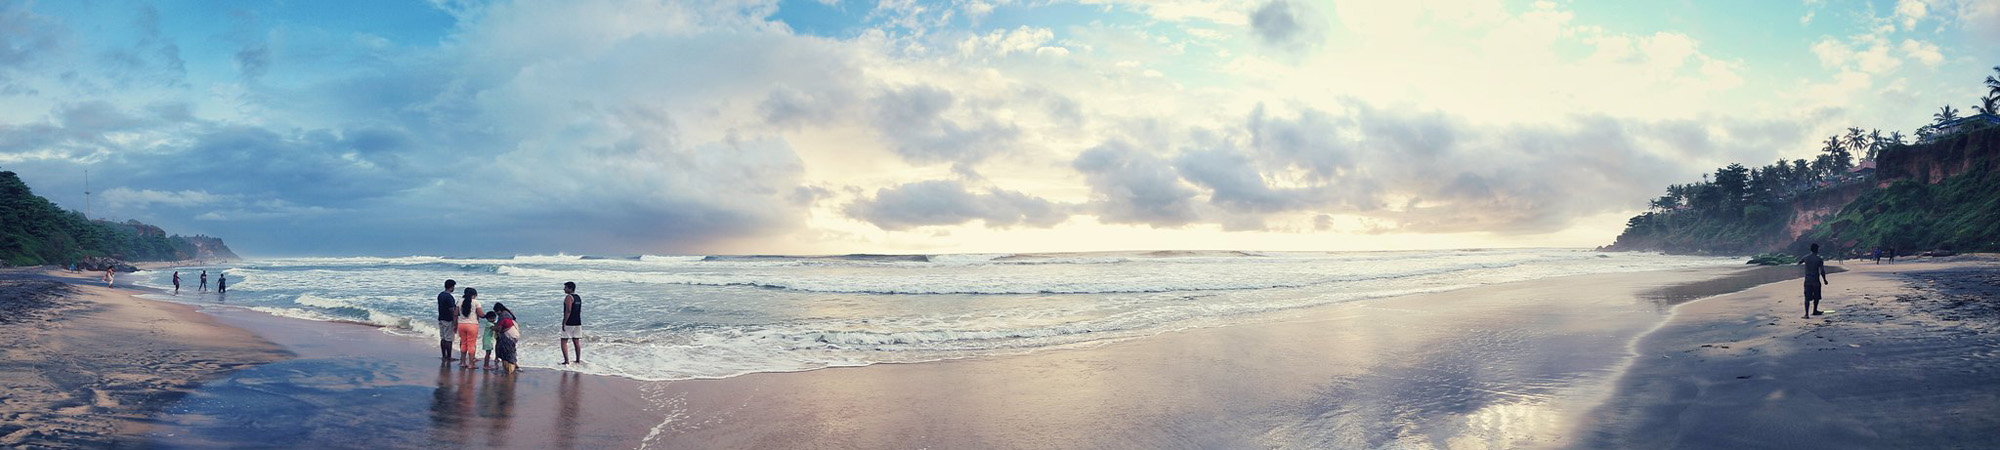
[1815, 276]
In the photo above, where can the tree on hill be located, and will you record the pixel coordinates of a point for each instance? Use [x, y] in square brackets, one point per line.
[1990, 104]
[1875, 143]
[1993, 82]
[34, 231]
[1835, 158]
[1945, 114]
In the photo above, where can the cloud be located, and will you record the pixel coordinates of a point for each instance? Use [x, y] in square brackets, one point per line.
[608, 125]
[916, 122]
[949, 202]
[1286, 24]
[1413, 171]
[123, 197]
[1924, 52]
[1136, 187]
[26, 39]
[155, 58]
[1908, 12]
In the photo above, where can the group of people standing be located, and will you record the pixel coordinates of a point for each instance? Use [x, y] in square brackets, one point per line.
[498, 331]
[221, 282]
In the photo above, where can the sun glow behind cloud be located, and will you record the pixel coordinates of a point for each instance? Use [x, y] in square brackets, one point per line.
[903, 126]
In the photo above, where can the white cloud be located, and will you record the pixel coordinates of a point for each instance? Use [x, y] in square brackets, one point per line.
[123, 197]
[1908, 12]
[1924, 52]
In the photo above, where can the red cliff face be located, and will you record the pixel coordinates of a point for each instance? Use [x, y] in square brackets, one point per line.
[1811, 210]
[1932, 163]
[1927, 163]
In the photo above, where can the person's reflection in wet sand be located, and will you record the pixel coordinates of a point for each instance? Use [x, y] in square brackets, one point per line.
[496, 404]
[446, 414]
[462, 405]
[571, 391]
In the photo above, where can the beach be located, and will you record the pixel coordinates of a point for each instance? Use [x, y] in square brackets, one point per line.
[1684, 358]
[1907, 358]
[90, 367]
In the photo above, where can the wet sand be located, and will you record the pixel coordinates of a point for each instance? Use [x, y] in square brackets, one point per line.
[83, 366]
[1505, 365]
[1908, 358]
[353, 386]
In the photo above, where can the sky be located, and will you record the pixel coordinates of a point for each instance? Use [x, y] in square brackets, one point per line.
[470, 128]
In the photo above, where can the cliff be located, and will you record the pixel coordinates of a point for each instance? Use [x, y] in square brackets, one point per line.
[1933, 163]
[34, 231]
[1940, 195]
[1943, 195]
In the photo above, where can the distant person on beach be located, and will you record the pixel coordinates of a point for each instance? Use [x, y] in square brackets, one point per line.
[572, 325]
[177, 282]
[1815, 276]
[486, 338]
[221, 283]
[468, 327]
[1878, 255]
[204, 281]
[110, 275]
[447, 319]
[507, 337]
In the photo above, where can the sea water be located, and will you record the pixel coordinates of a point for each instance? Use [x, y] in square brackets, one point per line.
[682, 317]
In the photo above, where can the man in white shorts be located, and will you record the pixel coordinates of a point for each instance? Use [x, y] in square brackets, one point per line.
[447, 319]
[572, 325]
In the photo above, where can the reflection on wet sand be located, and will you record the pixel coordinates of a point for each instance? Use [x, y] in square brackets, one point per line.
[570, 395]
[464, 397]
[343, 388]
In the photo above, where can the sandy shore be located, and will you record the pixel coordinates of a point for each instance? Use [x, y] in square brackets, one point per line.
[84, 366]
[1907, 359]
[1639, 360]
[1505, 365]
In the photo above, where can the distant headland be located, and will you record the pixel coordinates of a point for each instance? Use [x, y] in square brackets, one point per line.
[34, 231]
[1935, 195]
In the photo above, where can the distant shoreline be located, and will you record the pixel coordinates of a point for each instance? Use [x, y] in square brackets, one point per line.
[93, 369]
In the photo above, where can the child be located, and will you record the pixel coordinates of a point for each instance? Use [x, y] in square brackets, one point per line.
[486, 327]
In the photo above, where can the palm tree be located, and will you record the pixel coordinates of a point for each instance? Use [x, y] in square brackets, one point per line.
[1945, 114]
[1990, 104]
[1993, 82]
[1875, 143]
[1895, 138]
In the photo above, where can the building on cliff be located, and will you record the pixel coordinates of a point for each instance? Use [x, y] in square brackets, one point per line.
[1962, 125]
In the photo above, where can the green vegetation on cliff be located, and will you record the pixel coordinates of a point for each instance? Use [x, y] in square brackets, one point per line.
[34, 231]
[1937, 194]
[1962, 213]
[1742, 210]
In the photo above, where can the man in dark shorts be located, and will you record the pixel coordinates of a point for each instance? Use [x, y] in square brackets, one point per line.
[204, 281]
[447, 318]
[572, 325]
[1815, 276]
[177, 282]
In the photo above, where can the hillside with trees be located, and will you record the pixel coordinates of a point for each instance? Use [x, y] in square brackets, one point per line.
[34, 231]
[1936, 193]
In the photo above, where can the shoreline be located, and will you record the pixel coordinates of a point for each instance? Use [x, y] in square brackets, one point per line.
[1287, 381]
[1885, 368]
[365, 381]
[94, 366]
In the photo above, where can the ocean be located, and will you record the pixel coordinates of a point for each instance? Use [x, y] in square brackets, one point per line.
[686, 317]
